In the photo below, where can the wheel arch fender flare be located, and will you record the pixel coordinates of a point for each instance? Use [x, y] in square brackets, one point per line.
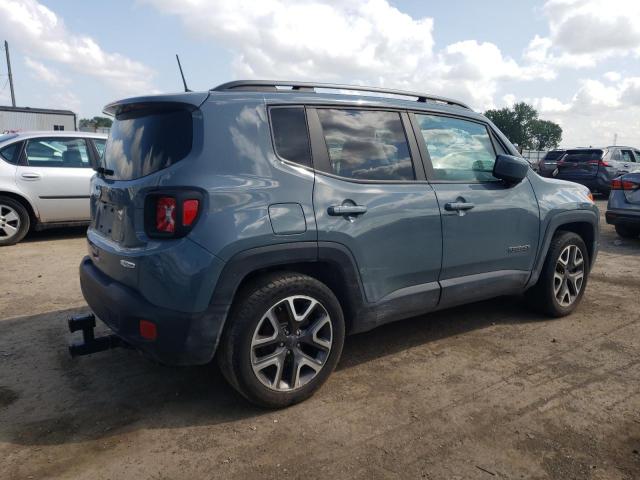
[570, 219]
[24, 199]
[322, 260]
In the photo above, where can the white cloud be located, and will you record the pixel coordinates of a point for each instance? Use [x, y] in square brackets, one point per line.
[612, 76]
[38, 32]
[582, 33]
[40, 71]
[596, 112]
[359, 41]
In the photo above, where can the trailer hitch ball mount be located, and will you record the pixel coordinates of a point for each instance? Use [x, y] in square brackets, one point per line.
[90, 344]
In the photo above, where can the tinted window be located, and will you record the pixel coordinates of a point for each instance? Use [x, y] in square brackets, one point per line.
[460, 150]
[290, 134]
[585, 155]
[10, 153]
[553, 155]
[57, 152]
[627, 156]
[145, 142]
[366, 144]
[100, 145]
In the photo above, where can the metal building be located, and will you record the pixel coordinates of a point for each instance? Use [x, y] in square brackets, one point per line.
[25, 119]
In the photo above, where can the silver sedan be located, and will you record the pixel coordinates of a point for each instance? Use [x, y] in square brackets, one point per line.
[44, 180]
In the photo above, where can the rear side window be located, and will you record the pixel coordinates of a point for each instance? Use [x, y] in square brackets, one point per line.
[460, 150]
[143, 142]
[290, 135]
[11, 152]
[366, 144]
[585, 155]
[57, 152]
[100, 146]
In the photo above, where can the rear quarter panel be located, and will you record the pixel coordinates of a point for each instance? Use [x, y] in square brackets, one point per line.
[242, 176]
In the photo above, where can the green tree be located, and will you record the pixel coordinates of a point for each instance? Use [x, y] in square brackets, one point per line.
[546, 135]
[95, 122]
[521, 126]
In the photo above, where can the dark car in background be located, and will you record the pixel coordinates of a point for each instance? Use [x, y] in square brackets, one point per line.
[597, 167]
[623, 209]
[548, 164]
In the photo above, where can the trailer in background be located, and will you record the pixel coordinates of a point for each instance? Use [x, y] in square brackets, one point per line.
[21, 119]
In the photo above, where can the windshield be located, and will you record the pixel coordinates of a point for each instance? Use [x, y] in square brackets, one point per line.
[144, 142]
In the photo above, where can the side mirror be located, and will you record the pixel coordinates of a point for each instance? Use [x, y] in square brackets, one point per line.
[510, 169]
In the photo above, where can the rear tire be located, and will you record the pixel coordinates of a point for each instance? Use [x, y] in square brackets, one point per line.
[14, 221]
[283, 339]
[564, 276]
[627, 232]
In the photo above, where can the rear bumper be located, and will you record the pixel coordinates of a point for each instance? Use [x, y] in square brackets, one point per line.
[182, 338]
[622, 217]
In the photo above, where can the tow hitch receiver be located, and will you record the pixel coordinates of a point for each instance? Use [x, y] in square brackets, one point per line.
[90, 344]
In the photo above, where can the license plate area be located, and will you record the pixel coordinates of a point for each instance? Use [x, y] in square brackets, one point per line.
[109, 220]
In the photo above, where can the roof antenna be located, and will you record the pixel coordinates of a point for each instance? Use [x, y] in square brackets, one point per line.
[186, 89]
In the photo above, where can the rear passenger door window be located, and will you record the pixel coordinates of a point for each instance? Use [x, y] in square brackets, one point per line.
[627, 156]
[460, 150]
[366, 144]
[57, 152]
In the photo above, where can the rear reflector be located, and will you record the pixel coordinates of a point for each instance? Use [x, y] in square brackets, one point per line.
[166, 214]
[148, 330]
[189, 211]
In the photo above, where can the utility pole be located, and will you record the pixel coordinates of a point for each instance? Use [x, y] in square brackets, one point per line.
[615, 139]
[13, 94]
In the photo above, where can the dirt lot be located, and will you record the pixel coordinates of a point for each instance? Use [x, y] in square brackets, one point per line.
[484, 391]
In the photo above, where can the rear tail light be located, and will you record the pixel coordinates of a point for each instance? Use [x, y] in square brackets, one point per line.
[171, 214]
[189, 211]
[600, 163]
[166, 214]
[619, 184]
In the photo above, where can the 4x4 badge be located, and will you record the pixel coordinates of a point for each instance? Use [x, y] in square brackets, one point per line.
[127, 264]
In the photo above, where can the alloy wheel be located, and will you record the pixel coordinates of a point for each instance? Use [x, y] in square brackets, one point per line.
[568, 277]
[291, 343]
[9, 222]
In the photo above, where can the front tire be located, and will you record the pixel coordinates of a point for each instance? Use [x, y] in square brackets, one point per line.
[283, 339]
[14, 221]
[627, 232]
[564, 275]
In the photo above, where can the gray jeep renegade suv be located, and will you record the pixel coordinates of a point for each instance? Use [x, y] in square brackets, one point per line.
[261, 222]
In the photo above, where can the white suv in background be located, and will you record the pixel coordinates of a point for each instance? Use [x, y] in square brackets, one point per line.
[44, 180]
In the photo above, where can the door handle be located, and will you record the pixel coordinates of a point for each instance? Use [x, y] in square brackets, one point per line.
[31, 176]
[339, 210]
[458, 206]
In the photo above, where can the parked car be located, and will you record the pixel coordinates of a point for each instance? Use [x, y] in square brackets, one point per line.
[44, 180]
[261, 225]
[623, 209]
[596, 167]
[549, 162]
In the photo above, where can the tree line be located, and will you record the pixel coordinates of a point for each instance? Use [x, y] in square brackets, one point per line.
[522, 127]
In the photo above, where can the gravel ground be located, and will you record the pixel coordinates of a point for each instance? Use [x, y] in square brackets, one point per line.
[489, 390]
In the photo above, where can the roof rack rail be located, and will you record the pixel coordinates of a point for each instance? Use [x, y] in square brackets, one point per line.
[271, 86]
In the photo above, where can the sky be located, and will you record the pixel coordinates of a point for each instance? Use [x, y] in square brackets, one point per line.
[576, 61]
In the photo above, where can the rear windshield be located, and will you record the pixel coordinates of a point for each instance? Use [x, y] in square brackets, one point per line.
[554, 155]
[582, 155]
[146, 141]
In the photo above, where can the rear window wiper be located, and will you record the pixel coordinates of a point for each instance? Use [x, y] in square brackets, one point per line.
[104, 171]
